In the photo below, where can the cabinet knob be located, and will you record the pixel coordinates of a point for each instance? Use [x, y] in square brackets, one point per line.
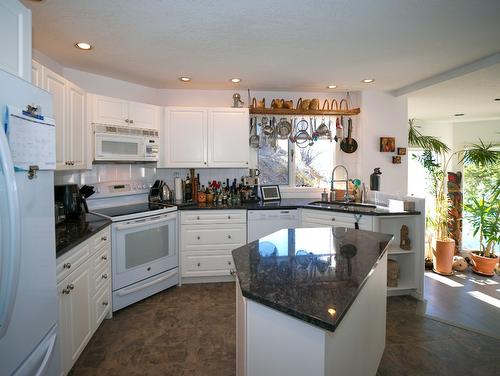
[105, 303]
[229, 262]
[333, 219]
[70, 286]
[198, 237]
[229, 236]
[199, 264]
[131, 121]
[104, 276]
[232, 272]
[228, 217]
[67, 265]
[204, 162]
[246, 162]
[126, 120]
[65, 291]
[104, 238]
[104, 257]
[198, 217]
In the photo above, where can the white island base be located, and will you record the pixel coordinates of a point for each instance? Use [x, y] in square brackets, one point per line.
[272, 343]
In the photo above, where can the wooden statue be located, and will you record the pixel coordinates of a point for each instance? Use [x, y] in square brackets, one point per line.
[404, 242]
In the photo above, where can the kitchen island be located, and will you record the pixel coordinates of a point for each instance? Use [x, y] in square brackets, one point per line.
[310, 298]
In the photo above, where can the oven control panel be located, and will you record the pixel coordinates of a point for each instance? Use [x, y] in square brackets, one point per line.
[113, 189]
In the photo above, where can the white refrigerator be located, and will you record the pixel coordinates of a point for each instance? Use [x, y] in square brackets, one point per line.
[28, 295]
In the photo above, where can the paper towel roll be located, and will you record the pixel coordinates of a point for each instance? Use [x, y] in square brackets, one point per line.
[178, 189]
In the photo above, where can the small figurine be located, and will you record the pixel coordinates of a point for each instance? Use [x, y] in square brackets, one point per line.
[405, 242]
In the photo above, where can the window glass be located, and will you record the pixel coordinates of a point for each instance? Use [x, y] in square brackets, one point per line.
[314, 164]
[273, 163]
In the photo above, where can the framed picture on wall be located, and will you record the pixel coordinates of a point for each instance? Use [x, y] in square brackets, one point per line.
[401, 151]
[270, 192]
[387, 144]
[396, 159]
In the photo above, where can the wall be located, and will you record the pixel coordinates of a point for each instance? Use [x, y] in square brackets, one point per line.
[383, 115]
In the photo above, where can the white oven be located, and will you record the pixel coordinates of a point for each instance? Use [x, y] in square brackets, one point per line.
[145, 257]
[125, 144]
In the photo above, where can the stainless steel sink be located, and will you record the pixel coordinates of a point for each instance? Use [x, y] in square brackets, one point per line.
[341, 205]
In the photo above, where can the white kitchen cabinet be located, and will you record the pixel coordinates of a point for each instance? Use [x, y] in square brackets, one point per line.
[15, 38]
[184, 138]
[204, 137]
[36, 73]
[75, 314]
[56, 85]
[228, 137]
[84, 289]
[115, 111]
[320, 218]
[207, 239]
[70, 113]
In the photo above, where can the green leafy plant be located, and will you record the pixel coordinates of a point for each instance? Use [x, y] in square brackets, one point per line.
[479, 154]
[484, 215]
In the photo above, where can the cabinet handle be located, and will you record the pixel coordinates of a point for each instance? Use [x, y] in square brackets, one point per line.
[204, 162]
[246, 162]
[105, 303]
[229, 236]
[70, 286]
[104, 257]
[198, 217]
[232, 272]
[333, 219]
[131, 121]
[198, 237]
[228, 217]
[199, 264]
[126, 120]
[229, 262]
[67, 265]
[104, 238]
[104, 276]
[65, 291]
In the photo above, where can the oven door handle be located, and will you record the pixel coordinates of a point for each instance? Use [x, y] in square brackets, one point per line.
[142, 222]
[136, 288]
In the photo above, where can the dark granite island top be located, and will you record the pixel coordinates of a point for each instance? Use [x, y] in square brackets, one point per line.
[313, 274]
[72, 232]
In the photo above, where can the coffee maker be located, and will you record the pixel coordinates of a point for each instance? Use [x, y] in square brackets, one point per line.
[68, 196]
[251, 184]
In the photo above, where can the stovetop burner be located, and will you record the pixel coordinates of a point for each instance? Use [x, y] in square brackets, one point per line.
[127, 210]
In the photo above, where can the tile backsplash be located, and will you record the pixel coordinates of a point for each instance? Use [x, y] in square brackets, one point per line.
[123, 172]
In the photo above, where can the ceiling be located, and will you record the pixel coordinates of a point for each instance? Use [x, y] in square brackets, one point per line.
[278, 45]
[471, 94]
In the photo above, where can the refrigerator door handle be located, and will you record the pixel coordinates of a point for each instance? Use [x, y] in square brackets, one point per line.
[10, 249]
[39, 360]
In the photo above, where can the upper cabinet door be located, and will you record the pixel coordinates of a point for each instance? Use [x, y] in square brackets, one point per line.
[143, 115]
[108, 110]
[36, 74]
[56, 85]
[184, 138]
[78, 134]
[15, 38]
[228, 137]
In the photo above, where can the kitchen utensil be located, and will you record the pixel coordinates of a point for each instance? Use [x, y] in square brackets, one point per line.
[314, 104]
[313, 137]
[237, 102]
[266, 126]
[166, 194]
[288, 104]
[86, 191]
[253, 172]
[277, 103]
[284, 128]
[349, 144]
[323, 129]
[254, 140]
[69, 195]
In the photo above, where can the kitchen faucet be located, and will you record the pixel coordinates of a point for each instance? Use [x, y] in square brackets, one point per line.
[346, 180]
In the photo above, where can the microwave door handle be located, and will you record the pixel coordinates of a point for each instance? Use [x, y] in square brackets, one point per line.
[11, 238]
[143, 223]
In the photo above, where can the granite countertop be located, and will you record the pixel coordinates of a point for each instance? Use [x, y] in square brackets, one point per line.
[293, 203]
[313, 274]
[72, 232]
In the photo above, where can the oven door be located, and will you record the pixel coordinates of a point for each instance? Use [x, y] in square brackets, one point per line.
[142, 248]
[119, 148]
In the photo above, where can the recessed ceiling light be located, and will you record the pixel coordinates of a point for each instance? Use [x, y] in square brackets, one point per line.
[235, 80]
[83, 46]
[459, 115]
[185, 79]
[331, 86]
[368, 80]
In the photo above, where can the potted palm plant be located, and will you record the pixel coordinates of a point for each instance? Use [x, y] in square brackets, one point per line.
[484, 216]
[479, 154]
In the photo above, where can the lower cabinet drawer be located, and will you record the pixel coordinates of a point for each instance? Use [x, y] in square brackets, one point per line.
[102, 257]
[201, 217]
[102, 304]
[101, 277]
[207, 265]
[71, 260]
[212, 237]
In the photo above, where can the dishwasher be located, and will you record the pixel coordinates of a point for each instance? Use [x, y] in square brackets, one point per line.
[264, 222]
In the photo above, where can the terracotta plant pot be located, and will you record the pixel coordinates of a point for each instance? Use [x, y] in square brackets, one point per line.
[484, 265]
[442, 256]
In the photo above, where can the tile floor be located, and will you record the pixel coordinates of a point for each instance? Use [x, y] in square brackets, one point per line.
[189, 330]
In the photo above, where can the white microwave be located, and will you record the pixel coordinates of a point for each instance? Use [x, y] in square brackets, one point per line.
[122, 144]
